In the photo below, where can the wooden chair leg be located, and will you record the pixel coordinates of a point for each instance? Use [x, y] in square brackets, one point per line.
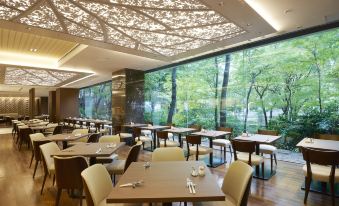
[231, 152]
[114, 179]
[307, 188]
[35, 168]
[263, 169]
[30, 164]
[271, 163]
[43, 183]
[58, 197]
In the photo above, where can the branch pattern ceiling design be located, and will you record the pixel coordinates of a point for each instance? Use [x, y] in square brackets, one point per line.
[163, 27]
[38, 77]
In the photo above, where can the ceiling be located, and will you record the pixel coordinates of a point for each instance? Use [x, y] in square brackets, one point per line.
[102, 36]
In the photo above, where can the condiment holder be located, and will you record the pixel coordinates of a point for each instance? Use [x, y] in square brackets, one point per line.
[201, 171]
[194, 172]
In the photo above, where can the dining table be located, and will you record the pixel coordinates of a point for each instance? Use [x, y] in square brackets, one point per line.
[42, 128]
[211, 135]
[91, 150]
[180, 131]
[165, 182]
[322, 144]
[65, 138]
[154, 129]
[260, 139]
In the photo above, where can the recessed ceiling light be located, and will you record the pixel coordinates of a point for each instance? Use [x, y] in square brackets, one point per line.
[33, 50]
[248, 24]
[288, 11]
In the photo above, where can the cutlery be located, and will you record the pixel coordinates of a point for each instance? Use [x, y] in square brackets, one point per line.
[192, 185]
[188, 185]
[132, 184]
[98, 151]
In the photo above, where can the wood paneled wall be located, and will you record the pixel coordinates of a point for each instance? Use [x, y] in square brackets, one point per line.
[52, 106]
[67, 103]
[17, 105]
[31, 103]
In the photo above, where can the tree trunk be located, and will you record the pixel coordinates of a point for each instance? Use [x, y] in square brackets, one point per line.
[264, 112]
[247, 106]
[216, 125]
[224, 91]
[174, 96]
[314, 52]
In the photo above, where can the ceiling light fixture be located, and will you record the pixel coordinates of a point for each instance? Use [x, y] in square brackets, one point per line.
[33, 50]
[78, 80]
[259, 7]
[29, 60]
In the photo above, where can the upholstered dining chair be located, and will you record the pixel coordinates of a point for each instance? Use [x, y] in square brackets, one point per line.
[24, 136]
[58, 129]
[197, 128]
[37, 153]
[68, 174]
[139, 138]
[81, 131]
[196, 148]
[115, 139]
[123, 135]
[97, 185]
[168, 154]
[224, 143]
[269, 149]
[118, 167]
[34, 137]
[164, 141]
[321, 165]
[243, 151]
[47, 150]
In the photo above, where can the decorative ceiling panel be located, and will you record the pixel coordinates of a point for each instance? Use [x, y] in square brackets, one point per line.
[162, 27]
[38, 77]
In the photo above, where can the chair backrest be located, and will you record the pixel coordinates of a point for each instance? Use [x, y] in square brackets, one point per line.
[193, 139]
[268, 132]
[320, 157]
[35, 136]
[68, 171]
[195, 126]
[237, 182]
[243, 146]
[47, 150]
[81, 131]
[162, 135]
[225, 129]
[110, 138]
[334, 137]
[168, 154]
[36, 148]
[97, 184]
[136, 132]
[117, 129]
[133, 155]
[25, 132]
[93, 138]
[58, 130]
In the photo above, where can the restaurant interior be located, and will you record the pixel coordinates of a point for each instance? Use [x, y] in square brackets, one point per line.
[169, 102]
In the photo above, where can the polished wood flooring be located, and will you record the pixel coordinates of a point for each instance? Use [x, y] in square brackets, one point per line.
[18, 188]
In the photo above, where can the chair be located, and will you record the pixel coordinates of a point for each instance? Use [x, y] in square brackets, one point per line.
[58, 130]
[147, 132]
[46, 150]
[37, 153]
[118, 167]
[68, 174]
[123, 135]
[143, 139]
[196, 149]
[168, 154]
[51, 130]
[170, 135]
[197, 127]
[243, 151]
[24, 136]
[34, 137]
[223, 143]
[164, 140]
[321, 165]
[237, 184]
[97, 184]
[334, 137]
[80, 131]
[269, 149]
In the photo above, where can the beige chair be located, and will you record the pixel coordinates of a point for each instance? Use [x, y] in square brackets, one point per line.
[118, 167]
[196, 149]
[243, 151]
[321, 165]
[50, 131]
[108, 139]
[164, 141]
[47, 150]
[81, 131]
[224, 143]
[168, 154]
[269, 149]
[97, 185]
[139, 138]
[34, 137]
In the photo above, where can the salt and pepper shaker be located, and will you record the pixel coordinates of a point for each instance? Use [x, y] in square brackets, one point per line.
[201, 171]
[194, 173]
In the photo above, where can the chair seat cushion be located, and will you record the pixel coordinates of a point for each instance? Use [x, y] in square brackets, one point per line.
[116, 167]
[255, 159]
[267, 149]
[144, 139]
[169, 143]
[125, 135]
[321, 173]
[146, 132]
[107, 160]
[170, 135]
[221, 142]
[202, 150]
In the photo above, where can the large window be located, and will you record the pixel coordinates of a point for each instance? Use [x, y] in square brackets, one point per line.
[96, 101]
[291, 86]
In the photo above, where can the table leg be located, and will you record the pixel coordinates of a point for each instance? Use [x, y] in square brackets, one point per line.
[211, 154]
[92, 160]
[257, 153]
[179, 139]
[64, 144]
[155, 140]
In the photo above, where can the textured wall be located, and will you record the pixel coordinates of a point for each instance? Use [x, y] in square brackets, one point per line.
[18, 105]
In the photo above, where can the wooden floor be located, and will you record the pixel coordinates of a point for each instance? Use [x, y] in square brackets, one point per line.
[18, 188]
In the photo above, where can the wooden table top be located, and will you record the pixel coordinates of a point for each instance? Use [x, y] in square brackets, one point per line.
[155, 127]
[178, 130]
[42, 127]
[268, 139]
[90, 150]
[319, 144]
[165, 182]
[211, 133]
[65, 137]
[134, 125]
